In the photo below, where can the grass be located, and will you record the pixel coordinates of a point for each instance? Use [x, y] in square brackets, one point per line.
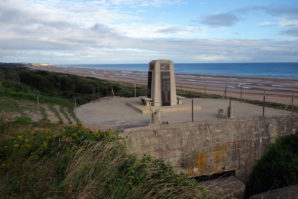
[72, 114]
[43, 113]
[191, 94]
[65, 114]
[8, 105]
[27, 83]
[57, 114]
[277, 168]
[44, 160]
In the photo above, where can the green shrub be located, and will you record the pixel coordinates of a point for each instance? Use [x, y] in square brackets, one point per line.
[74, 162]
[277, 168]
[26, 83]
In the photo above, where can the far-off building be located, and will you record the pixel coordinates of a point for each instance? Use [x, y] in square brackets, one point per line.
[161, 83]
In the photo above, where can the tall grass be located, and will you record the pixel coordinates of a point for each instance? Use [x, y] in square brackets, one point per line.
[48, 161]
[105, 170]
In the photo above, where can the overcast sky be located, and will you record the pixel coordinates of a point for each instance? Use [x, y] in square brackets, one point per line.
[137, 31]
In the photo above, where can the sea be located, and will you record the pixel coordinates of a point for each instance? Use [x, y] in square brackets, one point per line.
[274, 70]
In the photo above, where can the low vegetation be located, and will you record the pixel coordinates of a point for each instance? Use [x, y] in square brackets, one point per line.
[66, 86]
[191, 94]
[43, 160]
[40, 159]
[277, 168]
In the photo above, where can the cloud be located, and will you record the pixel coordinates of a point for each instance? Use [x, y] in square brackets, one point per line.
[281, 11]
[138, 3]
[62, 32]
[291, 32]
[231, 17]
[271, 10]
[225, 19]
[266, 23]
[171, 30]
[288, 22]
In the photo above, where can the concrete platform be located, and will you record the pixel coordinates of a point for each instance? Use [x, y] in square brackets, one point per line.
[186, 106]
[114, 112]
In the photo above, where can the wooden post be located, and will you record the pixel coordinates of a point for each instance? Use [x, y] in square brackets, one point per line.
[230, 109]
[112, 91]
[230, 102]
[226, 91]
[75, 106]
[135, 90]
[38, 103]
[264, 99]
[192, 119]
[292, 103]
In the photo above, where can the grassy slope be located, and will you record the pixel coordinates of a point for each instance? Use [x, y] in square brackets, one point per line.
[71, 87]
[44, 160]
[17, 99]
[47, 160]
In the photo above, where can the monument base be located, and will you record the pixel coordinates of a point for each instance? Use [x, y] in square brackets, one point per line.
[149, 109]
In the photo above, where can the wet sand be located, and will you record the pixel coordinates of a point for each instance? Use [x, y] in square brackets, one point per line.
[279, 90]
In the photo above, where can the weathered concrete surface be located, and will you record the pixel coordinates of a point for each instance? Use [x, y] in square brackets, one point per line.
[282, 193]
[205, 148]
[225, 187]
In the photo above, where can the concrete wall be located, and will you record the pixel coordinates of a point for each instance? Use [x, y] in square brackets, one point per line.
[204, 148]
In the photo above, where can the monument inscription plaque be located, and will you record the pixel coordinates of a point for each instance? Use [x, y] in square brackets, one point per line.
[149, 84]
[165, 89]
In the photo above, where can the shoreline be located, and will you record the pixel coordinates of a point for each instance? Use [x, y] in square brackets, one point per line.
[278, 90]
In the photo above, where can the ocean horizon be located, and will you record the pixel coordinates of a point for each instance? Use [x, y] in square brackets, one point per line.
[274, 70]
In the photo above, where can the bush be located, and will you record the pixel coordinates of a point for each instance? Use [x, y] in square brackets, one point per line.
[277, 168]
[59, 85]
[77, 163]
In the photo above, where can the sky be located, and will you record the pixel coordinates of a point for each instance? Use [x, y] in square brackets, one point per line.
[138, 31]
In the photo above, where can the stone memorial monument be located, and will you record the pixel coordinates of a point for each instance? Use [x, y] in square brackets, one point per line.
[161, 83]
[161, 92]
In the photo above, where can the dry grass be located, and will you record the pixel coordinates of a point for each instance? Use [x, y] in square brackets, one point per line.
[104, 170]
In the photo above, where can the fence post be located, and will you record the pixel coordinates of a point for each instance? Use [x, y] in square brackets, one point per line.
[192, 119]
[229, 112]
[226, 91]
[135, 90]
[37, 97]
[264, 99]
[75, 106]
[292, 103]
[112, 91]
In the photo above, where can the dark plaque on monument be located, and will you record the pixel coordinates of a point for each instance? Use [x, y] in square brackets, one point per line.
[165, 89]
[149, 84]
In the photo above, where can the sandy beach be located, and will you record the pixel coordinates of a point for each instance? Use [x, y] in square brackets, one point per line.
[279, 90]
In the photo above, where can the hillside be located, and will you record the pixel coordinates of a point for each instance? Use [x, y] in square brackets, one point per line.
[44, 155]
